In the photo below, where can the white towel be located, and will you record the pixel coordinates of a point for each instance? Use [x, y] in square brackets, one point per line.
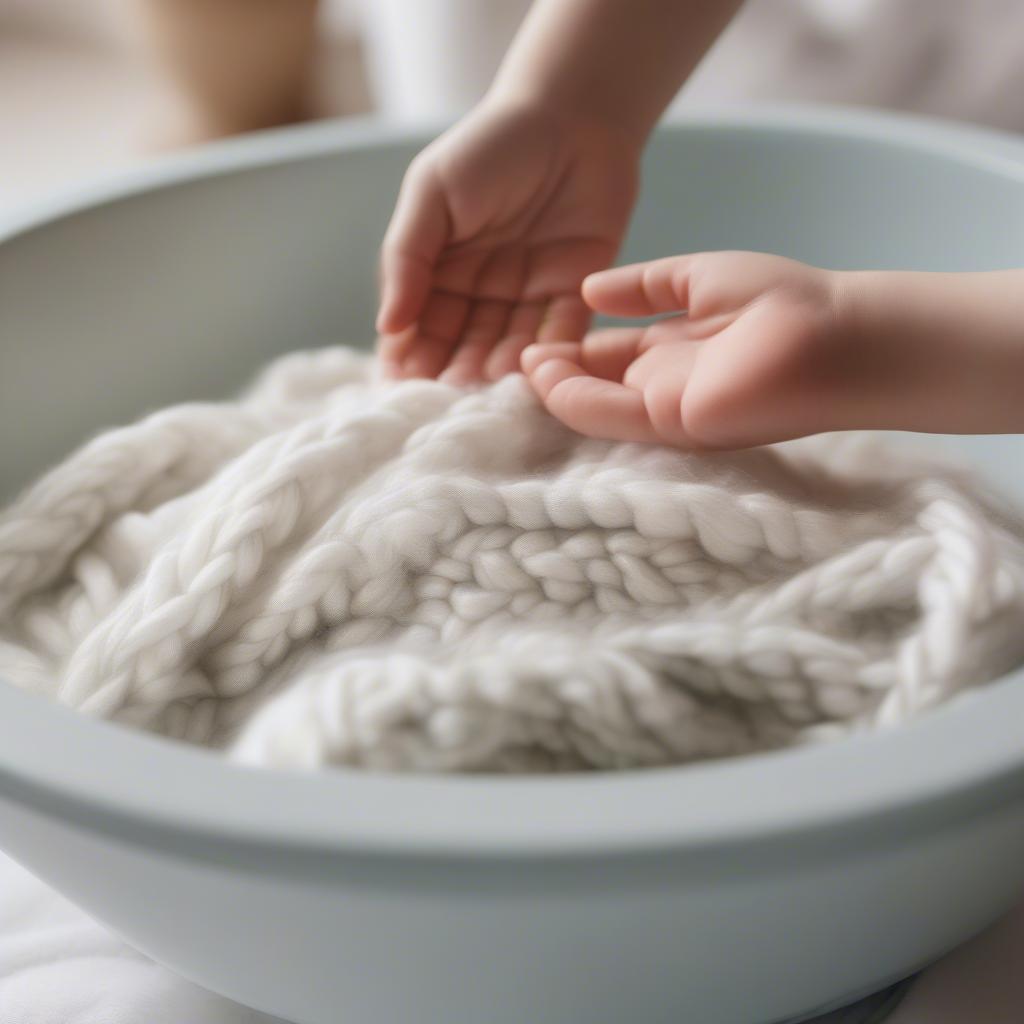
[57, 966]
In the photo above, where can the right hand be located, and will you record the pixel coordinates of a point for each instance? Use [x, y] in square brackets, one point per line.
[760, 349]
[497, 224]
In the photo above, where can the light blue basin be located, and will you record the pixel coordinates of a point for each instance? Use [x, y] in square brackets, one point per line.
[735, 893]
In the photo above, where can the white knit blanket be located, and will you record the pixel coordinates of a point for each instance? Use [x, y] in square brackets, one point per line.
[418, 577]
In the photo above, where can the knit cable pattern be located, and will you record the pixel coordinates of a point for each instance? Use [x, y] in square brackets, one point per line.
[334, 570]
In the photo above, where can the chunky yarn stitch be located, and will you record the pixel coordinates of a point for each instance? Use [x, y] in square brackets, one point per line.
[418, 577]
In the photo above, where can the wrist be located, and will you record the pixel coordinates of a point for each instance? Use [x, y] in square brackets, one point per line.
[943, 349]
[853, 305]
[570, 108]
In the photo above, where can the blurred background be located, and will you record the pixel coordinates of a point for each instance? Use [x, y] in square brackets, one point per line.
[92, 86]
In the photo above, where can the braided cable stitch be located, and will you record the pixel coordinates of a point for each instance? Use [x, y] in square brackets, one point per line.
[413, 576]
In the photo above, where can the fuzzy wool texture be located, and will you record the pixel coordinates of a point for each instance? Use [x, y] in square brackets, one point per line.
[419, 577]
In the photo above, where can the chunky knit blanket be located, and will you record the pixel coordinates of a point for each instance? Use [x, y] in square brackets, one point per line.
[415, 576]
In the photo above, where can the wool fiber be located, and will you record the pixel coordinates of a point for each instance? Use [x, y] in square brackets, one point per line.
[334, 570]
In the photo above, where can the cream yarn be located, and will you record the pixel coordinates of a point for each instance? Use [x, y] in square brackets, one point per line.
[419, 577]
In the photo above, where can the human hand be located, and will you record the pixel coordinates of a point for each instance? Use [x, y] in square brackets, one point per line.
[761, 354]
[497, 224]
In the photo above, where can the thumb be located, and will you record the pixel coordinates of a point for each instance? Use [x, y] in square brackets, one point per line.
[419, 228]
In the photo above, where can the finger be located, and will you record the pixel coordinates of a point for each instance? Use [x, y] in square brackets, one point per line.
[392, 350]
[565, 319]
[534, 355]
[520, 333]
[607, 353]
[640, 289]
[485, 325]
[597, 408]
[497, 287]
[610, 352]
[414, 239]
[436, 334]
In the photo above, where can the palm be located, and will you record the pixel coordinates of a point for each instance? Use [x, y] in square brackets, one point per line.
[699, 375]
[529, 210]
